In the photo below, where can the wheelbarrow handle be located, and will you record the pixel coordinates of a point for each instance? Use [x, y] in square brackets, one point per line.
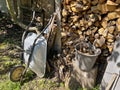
[27, 29]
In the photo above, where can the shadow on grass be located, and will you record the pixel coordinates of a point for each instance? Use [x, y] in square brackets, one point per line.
[28, 76]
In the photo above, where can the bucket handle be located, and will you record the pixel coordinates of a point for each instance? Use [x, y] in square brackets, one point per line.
[94, 44]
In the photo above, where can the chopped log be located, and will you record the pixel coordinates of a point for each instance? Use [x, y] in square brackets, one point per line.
[111, 23]
[117, 1]
[109, 2]
[110, 40]
[111, 29]
[94, 2]
[110, 47]
[99, 42]
[118, 27]
[111, 7]
[118, 24]
[101, 31]
[104, 23]
[110, 36]
[102, 8]
[113, 15]
[64, 13]
[102, 1]
[97, 36]
[118, 11]
[118, 21]
[63, 34]
[79, 32]
[75, 18]
[67, 1]
[94, 9]
[88, 32]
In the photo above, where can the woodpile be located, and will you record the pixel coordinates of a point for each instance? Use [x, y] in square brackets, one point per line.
[94, 21]
[97, 20]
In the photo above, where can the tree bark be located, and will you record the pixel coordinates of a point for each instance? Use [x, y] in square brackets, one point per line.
[15, 20]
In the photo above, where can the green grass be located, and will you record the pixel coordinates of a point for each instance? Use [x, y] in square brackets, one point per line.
[4, 45]
[9, 85]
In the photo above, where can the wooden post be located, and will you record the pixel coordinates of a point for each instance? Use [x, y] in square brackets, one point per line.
[57, 45]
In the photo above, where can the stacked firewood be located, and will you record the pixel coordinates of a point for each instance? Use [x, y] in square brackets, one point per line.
[94, 21]
[97, 20]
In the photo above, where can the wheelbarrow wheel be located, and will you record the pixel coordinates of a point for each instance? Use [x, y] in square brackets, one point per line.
[16, 73]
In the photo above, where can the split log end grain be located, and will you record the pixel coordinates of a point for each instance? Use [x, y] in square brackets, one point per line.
[64, 12]
[110, 2]
[111, 29]
[101, 31]
[113, 15]
[100, 42]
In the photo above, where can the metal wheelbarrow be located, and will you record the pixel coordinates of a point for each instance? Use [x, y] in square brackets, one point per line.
[34, 51]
